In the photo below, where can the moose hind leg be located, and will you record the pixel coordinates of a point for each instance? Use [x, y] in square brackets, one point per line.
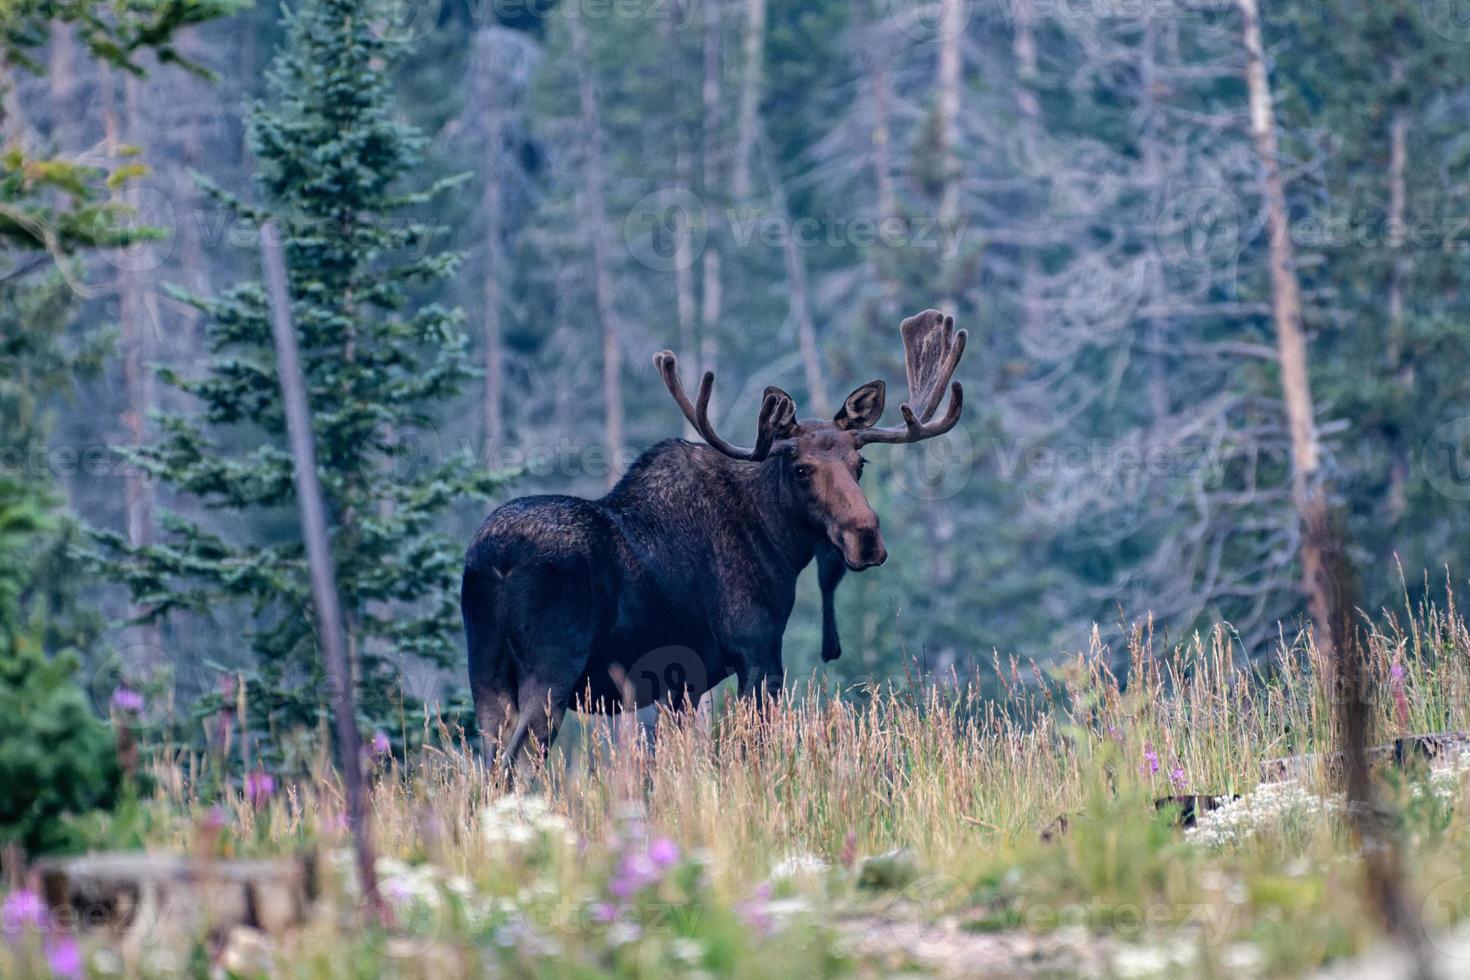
[495, 713]
[543, 706]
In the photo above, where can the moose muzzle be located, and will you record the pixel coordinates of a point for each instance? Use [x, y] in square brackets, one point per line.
[861, 544]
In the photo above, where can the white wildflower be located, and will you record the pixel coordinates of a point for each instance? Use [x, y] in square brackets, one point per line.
[1242, 958]
[690, 951]
[622, 932]
[1268, 805]
[782, 909]
[1140, 961]
[516, 821]
[1153, 961]
[1446, 776]
[797, 866]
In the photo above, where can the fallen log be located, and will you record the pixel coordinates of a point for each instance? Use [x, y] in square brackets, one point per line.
[1400, 752]
[153, 893]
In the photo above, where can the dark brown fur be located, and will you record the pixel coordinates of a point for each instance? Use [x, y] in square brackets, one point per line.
[685, 572]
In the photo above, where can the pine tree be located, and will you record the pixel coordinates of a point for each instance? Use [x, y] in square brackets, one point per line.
[331, 159]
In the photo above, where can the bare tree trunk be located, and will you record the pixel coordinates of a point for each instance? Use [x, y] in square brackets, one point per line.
[800, 305]
[491, 212]
[750, 95]
[709, 315]
[61, 73]
[12, 118]
[947, 106]
[195, 98]
[596, 217]
[1155, 178]
[684, 268]
[1028, 107]
[1307, 489]
[1398, 280]
[939, 521]
[882, 137]
[138, 326]
[324, 595]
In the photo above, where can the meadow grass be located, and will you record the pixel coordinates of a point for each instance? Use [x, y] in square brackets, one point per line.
[785, 840]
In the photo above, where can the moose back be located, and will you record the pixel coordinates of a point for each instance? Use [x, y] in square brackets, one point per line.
[685, 572]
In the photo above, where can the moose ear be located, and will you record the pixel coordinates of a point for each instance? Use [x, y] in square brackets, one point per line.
[784, 419]
[863, 408]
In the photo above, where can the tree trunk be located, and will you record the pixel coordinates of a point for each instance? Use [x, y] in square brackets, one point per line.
[138, 325]
[13, 125]
[881, 137]
[1307, 489]
[684, 302]
[61, 74]
[596, 219]
[947, 106]
[800, 304]
[750, 95]
[709, 314]
[491, 212]
[1028, 107]
[311, 504]
[1398, 282]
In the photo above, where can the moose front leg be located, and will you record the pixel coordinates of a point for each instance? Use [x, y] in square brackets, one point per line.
[761, 673]
[830, 569]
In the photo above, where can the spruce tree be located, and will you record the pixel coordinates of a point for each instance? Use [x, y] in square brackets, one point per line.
[331, 161]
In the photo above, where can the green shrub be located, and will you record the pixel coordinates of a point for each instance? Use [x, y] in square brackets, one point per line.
[56, 757]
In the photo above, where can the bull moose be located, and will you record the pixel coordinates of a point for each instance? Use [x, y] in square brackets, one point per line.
[685, 572]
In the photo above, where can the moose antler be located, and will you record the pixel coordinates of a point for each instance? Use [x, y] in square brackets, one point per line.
[931, 351]
[777, 411]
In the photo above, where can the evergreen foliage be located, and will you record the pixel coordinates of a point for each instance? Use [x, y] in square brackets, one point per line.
[331, 159]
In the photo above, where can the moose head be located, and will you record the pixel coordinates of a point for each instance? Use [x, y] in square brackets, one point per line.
[819, 461]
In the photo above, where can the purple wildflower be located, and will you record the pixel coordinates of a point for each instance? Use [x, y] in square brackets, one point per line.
[127, 700]
[604, 912]
[1150, 760]
[380, 744]
[1396, 690]
[754, 912]
[1177, 778]
[64, 957]
[259, 787]
[22, 908]
[663, 852]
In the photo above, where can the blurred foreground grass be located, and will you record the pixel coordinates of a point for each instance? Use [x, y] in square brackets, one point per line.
[889, 830]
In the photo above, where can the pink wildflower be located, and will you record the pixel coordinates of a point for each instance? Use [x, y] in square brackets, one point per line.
[127, 700]
[22, 908]
[663, 852]
[64, 957]
[259, 787]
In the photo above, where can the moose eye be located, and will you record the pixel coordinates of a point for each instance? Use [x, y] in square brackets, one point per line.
[803, 471]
